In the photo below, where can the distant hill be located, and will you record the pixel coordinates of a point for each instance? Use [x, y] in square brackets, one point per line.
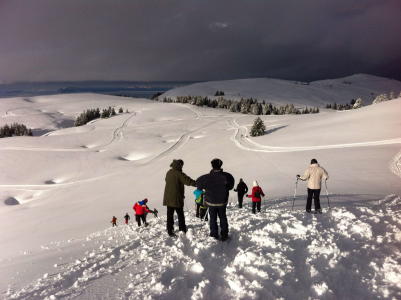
[277, 91]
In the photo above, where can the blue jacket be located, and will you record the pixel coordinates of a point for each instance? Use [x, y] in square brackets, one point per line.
[197, 193]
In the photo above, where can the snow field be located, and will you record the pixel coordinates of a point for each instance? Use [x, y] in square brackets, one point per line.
[279, 253]
[61, 188]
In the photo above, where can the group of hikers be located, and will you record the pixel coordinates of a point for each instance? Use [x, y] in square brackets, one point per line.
[212, 192]
[141, 210]
[211, 196]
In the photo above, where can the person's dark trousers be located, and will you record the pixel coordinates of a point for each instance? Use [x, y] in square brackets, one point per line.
[139, 218]
[240, 199]
[219, 211]
[197, 210]
[170, 219]
[315, 194]
[256, 205]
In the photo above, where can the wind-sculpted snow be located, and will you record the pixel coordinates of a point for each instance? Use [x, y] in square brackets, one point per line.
[348, 252]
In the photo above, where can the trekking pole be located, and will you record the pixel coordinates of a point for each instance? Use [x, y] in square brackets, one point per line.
[327, 194]
[295, 193]
[205, 216]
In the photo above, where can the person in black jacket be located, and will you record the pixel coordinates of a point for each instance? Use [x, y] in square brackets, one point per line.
[241, 190]
[217, 185]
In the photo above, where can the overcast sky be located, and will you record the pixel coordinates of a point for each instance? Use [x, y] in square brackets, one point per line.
[42, 40]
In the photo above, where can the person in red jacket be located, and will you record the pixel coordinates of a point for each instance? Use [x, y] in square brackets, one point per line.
[141, 210]
[114, 221]
[257, 194]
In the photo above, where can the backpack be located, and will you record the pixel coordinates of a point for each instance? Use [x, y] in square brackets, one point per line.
[257, 193]
[199, 200]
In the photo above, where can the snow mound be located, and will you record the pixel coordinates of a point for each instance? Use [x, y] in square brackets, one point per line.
[11, 201]
[134, 156]
[279, 253]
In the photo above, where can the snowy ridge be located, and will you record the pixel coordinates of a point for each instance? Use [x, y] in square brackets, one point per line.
[277, 91]
[279, 253]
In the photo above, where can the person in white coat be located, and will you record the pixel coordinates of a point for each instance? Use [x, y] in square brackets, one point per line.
[314, 175]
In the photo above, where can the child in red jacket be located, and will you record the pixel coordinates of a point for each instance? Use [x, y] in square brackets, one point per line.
[257, 194]
[141, 210]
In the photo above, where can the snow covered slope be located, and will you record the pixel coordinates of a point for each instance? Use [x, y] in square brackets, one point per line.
[59, 191]
[351, 251]
[316, 93]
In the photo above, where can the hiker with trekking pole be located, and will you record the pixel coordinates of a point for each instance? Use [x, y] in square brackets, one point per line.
[217, 185]
[314, 175]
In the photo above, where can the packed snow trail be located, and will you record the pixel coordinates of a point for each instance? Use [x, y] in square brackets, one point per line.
[241, 140]
[349, 252]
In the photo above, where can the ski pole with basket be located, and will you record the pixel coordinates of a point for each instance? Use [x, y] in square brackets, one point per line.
[295, 193]
[327, 194]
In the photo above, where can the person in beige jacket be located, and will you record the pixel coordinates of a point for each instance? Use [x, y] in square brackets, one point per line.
[314, 175]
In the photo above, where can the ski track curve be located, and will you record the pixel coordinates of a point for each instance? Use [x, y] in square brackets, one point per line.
[182, 140]
[349, 251]
[118, 133]
[243, 142]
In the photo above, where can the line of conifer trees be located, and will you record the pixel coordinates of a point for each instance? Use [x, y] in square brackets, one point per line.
[245, 105]
[14, 129]
[95, 113]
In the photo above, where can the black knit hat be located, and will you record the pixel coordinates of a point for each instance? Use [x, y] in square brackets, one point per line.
[313, 161]
[216, 164]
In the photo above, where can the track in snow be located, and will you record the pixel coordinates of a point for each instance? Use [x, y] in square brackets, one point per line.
[243, 142]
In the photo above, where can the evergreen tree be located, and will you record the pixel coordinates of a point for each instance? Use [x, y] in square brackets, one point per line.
[258, 127]
[256, 109]
[235, 107]
[245, 106]
[266, 109]
[358, 103]
[380, 98]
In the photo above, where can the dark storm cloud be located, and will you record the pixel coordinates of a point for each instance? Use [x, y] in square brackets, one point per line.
[198, 39]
